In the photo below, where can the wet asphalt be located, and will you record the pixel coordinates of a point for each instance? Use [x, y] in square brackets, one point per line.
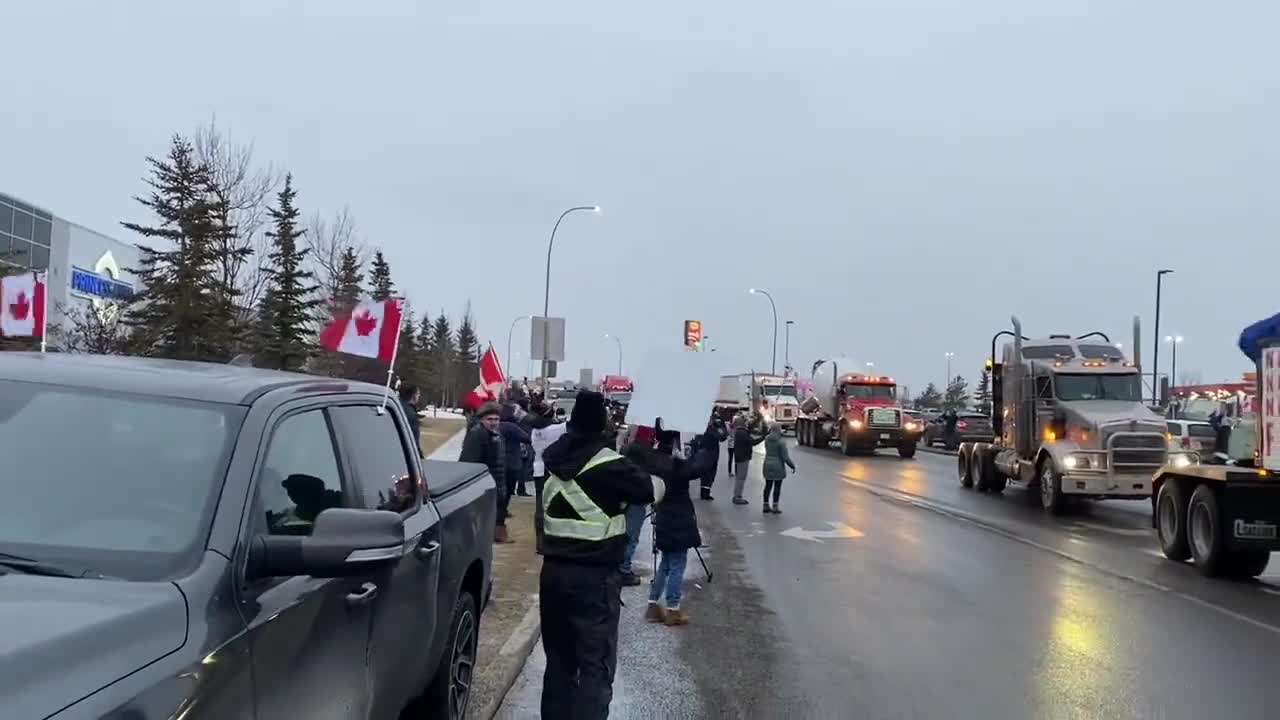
[885, 590]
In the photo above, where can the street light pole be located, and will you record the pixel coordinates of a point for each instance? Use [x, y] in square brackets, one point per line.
[619, 341]
[774, 307]
[947, 379]
[508, 359]
[1155, 351]
[546, 293]
[786, 353]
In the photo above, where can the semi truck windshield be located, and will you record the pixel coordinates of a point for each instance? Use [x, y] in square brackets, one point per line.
[778, 390]
[869, 392]
[1099, 387]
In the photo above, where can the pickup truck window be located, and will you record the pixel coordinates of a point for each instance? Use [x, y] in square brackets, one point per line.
[379, 456]
[122, 484]
[300, 477]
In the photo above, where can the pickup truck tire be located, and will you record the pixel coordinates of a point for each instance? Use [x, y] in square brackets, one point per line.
[1171, 520]
[1204, 529]
[907, 450]
[1050, 483]
[450, 690]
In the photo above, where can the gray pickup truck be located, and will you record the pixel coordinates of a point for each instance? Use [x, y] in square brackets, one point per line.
[186, 540]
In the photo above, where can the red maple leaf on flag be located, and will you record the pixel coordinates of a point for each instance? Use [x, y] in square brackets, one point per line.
[20, 308]
[365, 323]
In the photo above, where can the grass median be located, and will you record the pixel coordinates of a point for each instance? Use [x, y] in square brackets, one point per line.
[436, 431]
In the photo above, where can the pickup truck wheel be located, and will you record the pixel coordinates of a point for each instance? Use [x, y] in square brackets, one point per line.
[450, 690]
[1204, 530]
[1171, 521]
[1051, 497]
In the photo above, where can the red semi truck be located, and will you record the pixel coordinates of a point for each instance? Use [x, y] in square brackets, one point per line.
[857, 409]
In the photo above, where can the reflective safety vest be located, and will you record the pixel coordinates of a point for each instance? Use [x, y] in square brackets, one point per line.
[592, 523]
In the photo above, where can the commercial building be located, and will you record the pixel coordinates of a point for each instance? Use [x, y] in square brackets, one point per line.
[86, 269]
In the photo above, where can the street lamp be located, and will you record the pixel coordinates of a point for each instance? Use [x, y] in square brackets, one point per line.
[619, 341]
[546, 293]
[1175, 341]
[774, 307]
[508, 358]
[947, 379]
[1155, 352]
[786, 353]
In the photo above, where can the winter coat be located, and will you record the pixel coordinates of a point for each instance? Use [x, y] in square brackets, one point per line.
[675, 523]
[486, 448]
[514, 440]
[415, 424]
[777, 458]
[744, 444]
[612, 486]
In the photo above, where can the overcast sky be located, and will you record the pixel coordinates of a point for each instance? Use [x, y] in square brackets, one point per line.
[902, 176]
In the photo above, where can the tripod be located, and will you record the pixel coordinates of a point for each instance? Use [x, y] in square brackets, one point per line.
[697, 551]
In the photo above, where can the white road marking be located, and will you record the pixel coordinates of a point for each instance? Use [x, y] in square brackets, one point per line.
[1131, 532]
[838, 530]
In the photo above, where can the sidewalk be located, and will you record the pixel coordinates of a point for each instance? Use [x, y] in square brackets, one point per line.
[509, 626]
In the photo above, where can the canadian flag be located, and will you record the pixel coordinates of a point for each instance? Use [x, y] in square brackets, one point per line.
[22, 305]
[371, 329]
[491, 381]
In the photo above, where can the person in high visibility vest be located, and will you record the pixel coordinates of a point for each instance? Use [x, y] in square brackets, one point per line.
[585, 497]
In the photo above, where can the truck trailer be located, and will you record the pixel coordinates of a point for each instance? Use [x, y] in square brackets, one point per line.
[1069, 422]
[857, 410]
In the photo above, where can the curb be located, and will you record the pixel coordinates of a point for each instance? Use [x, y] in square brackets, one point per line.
[513, 655]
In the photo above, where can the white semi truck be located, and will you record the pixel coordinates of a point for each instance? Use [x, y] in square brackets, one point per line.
[772, 396]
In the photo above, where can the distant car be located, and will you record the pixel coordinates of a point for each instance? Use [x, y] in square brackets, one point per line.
[564, 404]
[970, 427]
[1193, 435]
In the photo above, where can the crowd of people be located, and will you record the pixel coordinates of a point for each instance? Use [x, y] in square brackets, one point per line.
[595, 485]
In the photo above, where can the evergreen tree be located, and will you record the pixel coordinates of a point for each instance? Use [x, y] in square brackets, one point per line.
[930, 399]
[185, 310]
[408, 360]
[427, 360]
[467, 354]
[290, 299]
[350, 282]
[957, 395]
[380, 277]
[983, 394]
[443, 354]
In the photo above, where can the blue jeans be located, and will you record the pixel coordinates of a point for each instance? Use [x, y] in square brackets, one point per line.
[669, 576]
[635, 520]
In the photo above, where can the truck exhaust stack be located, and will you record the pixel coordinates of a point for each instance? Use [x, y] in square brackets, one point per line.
[1017, 340]
[1137, 343]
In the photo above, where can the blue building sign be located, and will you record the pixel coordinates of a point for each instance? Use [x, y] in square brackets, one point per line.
[94, 285]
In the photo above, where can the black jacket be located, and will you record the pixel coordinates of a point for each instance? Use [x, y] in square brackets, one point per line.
[611, 486]
[675, 523]
[743, 442]
[415, 424]
[486, 448]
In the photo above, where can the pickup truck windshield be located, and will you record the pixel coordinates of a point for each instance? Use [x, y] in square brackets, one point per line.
[121, 484]
[1099, 387]
[870, 392]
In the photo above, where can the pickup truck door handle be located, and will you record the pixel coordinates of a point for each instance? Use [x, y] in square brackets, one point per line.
[425, 552]
[368, 592]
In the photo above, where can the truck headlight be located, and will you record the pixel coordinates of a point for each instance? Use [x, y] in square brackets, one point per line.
[856, 424]
[1181, 460]
[912, 426]
[1077, 462]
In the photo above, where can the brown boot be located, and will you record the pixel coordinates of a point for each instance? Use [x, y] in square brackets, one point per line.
[653, 613]
[677, 617]
[500, 535]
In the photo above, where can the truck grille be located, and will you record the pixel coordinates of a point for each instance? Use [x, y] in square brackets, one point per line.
[1137, 452]
[883, 417]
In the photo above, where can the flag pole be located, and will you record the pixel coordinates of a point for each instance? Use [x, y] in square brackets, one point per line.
[44, 312]
[391, 369]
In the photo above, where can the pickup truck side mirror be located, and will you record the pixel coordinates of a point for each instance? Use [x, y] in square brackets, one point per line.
[343, 542]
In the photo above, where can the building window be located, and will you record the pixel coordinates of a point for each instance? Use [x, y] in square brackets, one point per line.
[6, 218]
[39, 258]
[20, 253]
[43, 234]
[23, 225]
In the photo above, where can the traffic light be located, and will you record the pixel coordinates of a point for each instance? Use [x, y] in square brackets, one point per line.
[693, 334]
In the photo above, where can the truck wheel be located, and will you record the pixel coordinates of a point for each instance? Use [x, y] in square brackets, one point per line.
[1204, 531]
[964, 470]
[1051, 497]
[1171, 521]
[984, 468]
[1247, 564]
[846, 443]
[907, 450]
[450, 690]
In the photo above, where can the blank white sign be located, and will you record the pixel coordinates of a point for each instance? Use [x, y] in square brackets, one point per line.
[678, 386]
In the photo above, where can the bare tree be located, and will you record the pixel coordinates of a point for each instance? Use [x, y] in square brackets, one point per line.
[90, 330]
[244, 192]
[327, 241]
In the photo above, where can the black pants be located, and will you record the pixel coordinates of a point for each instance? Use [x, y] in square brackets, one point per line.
[579, 605]
[774, 486]
[731, 462]
[709, 476]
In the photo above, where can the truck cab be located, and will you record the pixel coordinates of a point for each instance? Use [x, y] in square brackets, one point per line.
[1069, 420]
[858, 410]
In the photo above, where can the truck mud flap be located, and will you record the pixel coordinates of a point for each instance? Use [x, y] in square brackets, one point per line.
[1251, 514]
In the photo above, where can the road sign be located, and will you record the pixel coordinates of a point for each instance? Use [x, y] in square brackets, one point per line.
[693, 334]
[554, 337]
[838, 530]
[585, 379]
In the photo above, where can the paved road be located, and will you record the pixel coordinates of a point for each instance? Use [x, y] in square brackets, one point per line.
[924, 600]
